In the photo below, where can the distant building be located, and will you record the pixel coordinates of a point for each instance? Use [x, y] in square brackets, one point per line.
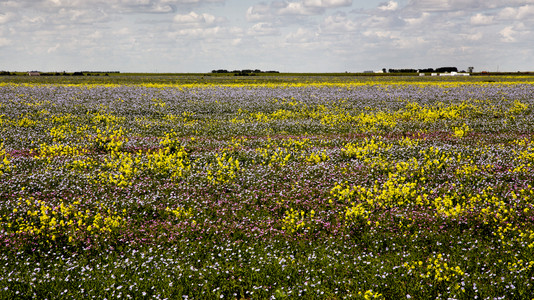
[454, 74]
[34, 73]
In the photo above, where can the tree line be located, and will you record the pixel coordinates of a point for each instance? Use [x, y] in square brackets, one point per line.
[428, 70]
[245, 72]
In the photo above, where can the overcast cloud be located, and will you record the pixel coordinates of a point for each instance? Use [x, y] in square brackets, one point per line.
[289, 36]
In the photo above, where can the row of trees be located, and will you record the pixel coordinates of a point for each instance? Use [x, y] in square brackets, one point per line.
[428, 70]
[7, 73]
[244, 72]
[76, 74]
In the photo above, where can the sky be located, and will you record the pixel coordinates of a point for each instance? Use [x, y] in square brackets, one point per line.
[284, 35]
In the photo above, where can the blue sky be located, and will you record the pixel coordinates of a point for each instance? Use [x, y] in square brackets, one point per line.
[283, 35]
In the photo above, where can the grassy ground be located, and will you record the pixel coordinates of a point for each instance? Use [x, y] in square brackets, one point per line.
[285, 186]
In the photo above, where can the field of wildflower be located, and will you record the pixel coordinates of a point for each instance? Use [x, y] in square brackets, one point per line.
[288, 187]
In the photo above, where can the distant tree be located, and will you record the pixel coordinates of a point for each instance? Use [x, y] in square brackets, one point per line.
[446, 69]
[402, 71]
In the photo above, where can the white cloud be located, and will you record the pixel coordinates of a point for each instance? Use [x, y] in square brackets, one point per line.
[5, 18]
[298, 8]
[59, 3]
[161, 9]
[53, 49]
[11, 4]
[338, 24]
[236, 42]
[419, 20]
[195, 19]
[463, 5]
[114, 6]
[185, 34]
[480, 19]
[430, 5]
[95, 35]
[389, 6]
[474, 36]
[507, 34]
[123, 31]
[78, 16]
[302, 36]
[259, 12]
[4, 42]
[409, 42]
[263, 29]
[327, 3]
[376, 22]
[517, 13]
[508, 13]
[518, 32]
[305, 8]
[139, 6]
[197, 32]
[378, 34]
[193, 1]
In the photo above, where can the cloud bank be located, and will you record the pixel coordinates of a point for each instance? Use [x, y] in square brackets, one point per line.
[296, 35]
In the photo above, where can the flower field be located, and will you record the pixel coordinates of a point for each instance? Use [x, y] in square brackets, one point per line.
[300, 187]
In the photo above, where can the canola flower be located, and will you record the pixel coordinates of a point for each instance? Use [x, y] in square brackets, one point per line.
[224, 170]
[44, 222]
[4, 160]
